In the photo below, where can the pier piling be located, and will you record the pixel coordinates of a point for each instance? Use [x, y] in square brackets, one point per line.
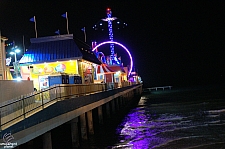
[47, 140]
[75, 133]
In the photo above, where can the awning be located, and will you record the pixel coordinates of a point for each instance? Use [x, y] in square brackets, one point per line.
[103, 68]
[116, 68]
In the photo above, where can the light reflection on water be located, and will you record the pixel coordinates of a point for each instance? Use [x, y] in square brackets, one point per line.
[193, 124]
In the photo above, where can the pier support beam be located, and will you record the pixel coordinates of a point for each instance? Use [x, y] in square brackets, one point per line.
[121, 101]
[90, 122]
[113, 106]
[83, 127]
[107, 108]
[47, 140]
[117, 104]
[75, 133]
[100, 115]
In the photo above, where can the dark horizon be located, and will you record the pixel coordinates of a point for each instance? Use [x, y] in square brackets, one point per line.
[178, 43]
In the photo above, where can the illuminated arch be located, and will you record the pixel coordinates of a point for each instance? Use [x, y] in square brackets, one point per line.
[108, 42]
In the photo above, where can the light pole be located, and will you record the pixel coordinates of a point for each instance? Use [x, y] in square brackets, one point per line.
[15, 63]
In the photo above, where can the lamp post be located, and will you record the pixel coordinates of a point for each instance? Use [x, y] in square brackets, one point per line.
[15, 63]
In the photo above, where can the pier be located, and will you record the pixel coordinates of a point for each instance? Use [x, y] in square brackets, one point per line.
[38, 113]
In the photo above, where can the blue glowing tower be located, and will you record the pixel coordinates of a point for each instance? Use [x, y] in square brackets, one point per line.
[109, 19]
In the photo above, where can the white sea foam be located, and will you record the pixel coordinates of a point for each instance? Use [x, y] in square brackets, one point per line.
[169, 119]
[214, 122]
[217, 124]
[213, 115]
[124, 146]
[216, 111]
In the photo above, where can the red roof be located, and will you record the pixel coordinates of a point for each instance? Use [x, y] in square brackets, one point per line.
[116, 68]
[103, 68]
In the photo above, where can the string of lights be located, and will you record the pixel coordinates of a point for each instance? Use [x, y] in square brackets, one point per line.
[9, 44]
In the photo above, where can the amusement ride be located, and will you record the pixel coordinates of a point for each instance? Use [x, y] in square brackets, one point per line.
[109, 19]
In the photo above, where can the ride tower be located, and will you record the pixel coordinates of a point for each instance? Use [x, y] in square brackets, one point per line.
[109, 19]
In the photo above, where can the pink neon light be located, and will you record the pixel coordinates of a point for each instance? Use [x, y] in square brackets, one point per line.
[106, 42]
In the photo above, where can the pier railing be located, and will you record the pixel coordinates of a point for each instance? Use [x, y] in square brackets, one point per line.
[29, 104]
[159, 88]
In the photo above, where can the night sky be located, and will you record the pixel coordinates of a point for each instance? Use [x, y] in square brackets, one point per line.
[178, 43]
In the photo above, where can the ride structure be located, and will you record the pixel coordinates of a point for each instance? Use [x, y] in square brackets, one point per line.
[112, 59]
[109, 19]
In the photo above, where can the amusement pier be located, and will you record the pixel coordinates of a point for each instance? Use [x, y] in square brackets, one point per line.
[61, 80]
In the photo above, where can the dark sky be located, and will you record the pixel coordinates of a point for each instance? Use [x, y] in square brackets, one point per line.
[172, 42]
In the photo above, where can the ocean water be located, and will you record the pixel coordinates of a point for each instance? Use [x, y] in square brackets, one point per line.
[188, 118]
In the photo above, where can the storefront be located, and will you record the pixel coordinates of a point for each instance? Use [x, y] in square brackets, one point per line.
[57, 55]
[104, 74]
[39, 72]
[120, 74]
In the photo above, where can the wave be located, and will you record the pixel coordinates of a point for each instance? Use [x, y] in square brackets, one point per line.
[216, 111]
[121, 147]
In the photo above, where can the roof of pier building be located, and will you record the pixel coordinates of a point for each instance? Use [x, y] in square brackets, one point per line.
[57, 48]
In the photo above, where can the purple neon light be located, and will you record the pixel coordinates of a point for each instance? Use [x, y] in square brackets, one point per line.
[109, 42]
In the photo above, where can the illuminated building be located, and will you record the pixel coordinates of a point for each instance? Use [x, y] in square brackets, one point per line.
[57, 55]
